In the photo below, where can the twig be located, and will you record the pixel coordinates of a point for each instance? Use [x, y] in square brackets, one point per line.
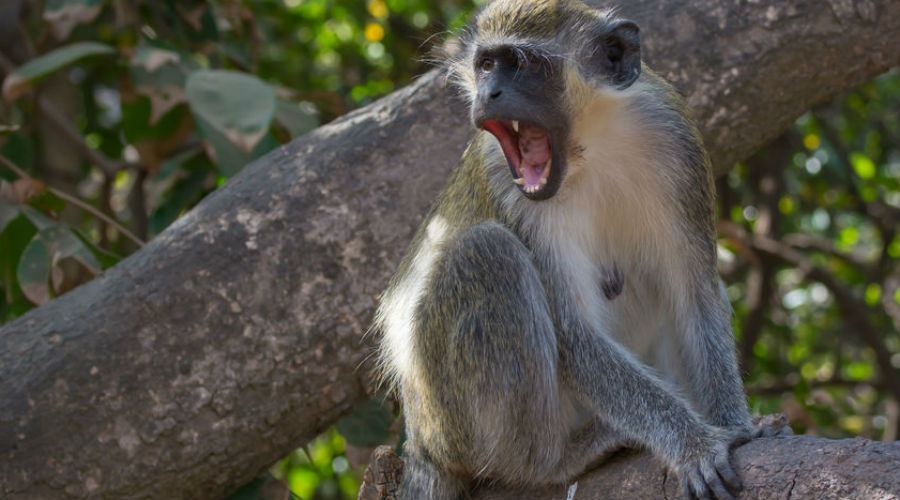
[781, 388]
[856, 313]
[108, 166]
[75, 201]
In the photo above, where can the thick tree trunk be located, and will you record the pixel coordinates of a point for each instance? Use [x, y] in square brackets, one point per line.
[236, 334]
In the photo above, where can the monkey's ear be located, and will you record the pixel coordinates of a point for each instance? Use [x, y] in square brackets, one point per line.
[617, 53]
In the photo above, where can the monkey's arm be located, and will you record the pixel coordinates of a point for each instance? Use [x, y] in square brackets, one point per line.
[622, 391]
[710, 362]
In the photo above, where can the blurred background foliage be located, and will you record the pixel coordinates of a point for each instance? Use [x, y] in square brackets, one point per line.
[120, 115]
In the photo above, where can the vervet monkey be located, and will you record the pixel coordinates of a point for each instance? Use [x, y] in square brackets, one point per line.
[561, 299]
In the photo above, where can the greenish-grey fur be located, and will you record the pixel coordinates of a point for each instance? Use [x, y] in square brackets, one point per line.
[505, 373]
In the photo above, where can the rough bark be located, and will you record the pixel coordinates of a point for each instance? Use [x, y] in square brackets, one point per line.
[236, 334]
[801, 467]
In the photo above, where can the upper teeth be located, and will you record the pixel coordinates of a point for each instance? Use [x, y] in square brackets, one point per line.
[516, 125]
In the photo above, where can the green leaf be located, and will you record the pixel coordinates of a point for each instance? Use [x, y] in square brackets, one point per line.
[8, 212]
[863, 165]
[849, 236]
[873, 294]
[859, 371]
[33, 71]
[230, 108]
[297, 118]
[39, 220]
[14, 237]
[229, 158]
[64, 15]
[33, 271]
[368, 424]
[105, 258]
[44, 253]
[160, 74]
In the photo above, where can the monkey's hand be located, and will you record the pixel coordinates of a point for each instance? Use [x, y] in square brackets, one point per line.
[706, 471]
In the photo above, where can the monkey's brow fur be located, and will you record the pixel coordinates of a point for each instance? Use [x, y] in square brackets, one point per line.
[529, 338]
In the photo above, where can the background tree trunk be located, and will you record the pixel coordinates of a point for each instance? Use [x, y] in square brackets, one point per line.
[236, 334]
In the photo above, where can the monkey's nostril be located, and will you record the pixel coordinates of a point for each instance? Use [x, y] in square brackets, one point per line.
[495, 94]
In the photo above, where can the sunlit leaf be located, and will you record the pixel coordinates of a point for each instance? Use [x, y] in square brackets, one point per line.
[863, 165]
[64, 15]
[302, 482]
[811, 141]
[859, 371]
[849, 236]
[853, 423]
[33, 71]
[785, 205]
[873, 294]
[378, 8]
[374, 32]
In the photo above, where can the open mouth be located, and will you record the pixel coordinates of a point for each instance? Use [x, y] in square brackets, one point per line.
[528, 152]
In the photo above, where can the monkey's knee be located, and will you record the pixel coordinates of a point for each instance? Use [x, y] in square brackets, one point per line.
[494, 292]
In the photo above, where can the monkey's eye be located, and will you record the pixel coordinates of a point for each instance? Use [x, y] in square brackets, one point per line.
[487, 64]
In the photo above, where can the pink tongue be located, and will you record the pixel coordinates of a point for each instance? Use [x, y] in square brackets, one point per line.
[534, 146]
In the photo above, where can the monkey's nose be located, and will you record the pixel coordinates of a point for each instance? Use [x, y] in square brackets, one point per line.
[496, 93]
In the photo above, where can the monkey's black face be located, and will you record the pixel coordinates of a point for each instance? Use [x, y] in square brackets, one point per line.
[518, 102]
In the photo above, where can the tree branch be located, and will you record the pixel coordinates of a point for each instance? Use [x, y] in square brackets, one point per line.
[76, 202]
[771, 468]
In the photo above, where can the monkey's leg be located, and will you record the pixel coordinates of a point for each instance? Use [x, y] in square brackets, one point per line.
[588, 447]
[488, 351]
[422, 479]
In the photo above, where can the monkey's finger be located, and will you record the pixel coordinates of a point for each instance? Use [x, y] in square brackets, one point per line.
[720, 490]
[713, 481]
[699, 487]
[686, 490]
[728, 475]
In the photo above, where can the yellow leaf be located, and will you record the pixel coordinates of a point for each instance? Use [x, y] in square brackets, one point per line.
[811, 141]
[378, 9]
[374, 32]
